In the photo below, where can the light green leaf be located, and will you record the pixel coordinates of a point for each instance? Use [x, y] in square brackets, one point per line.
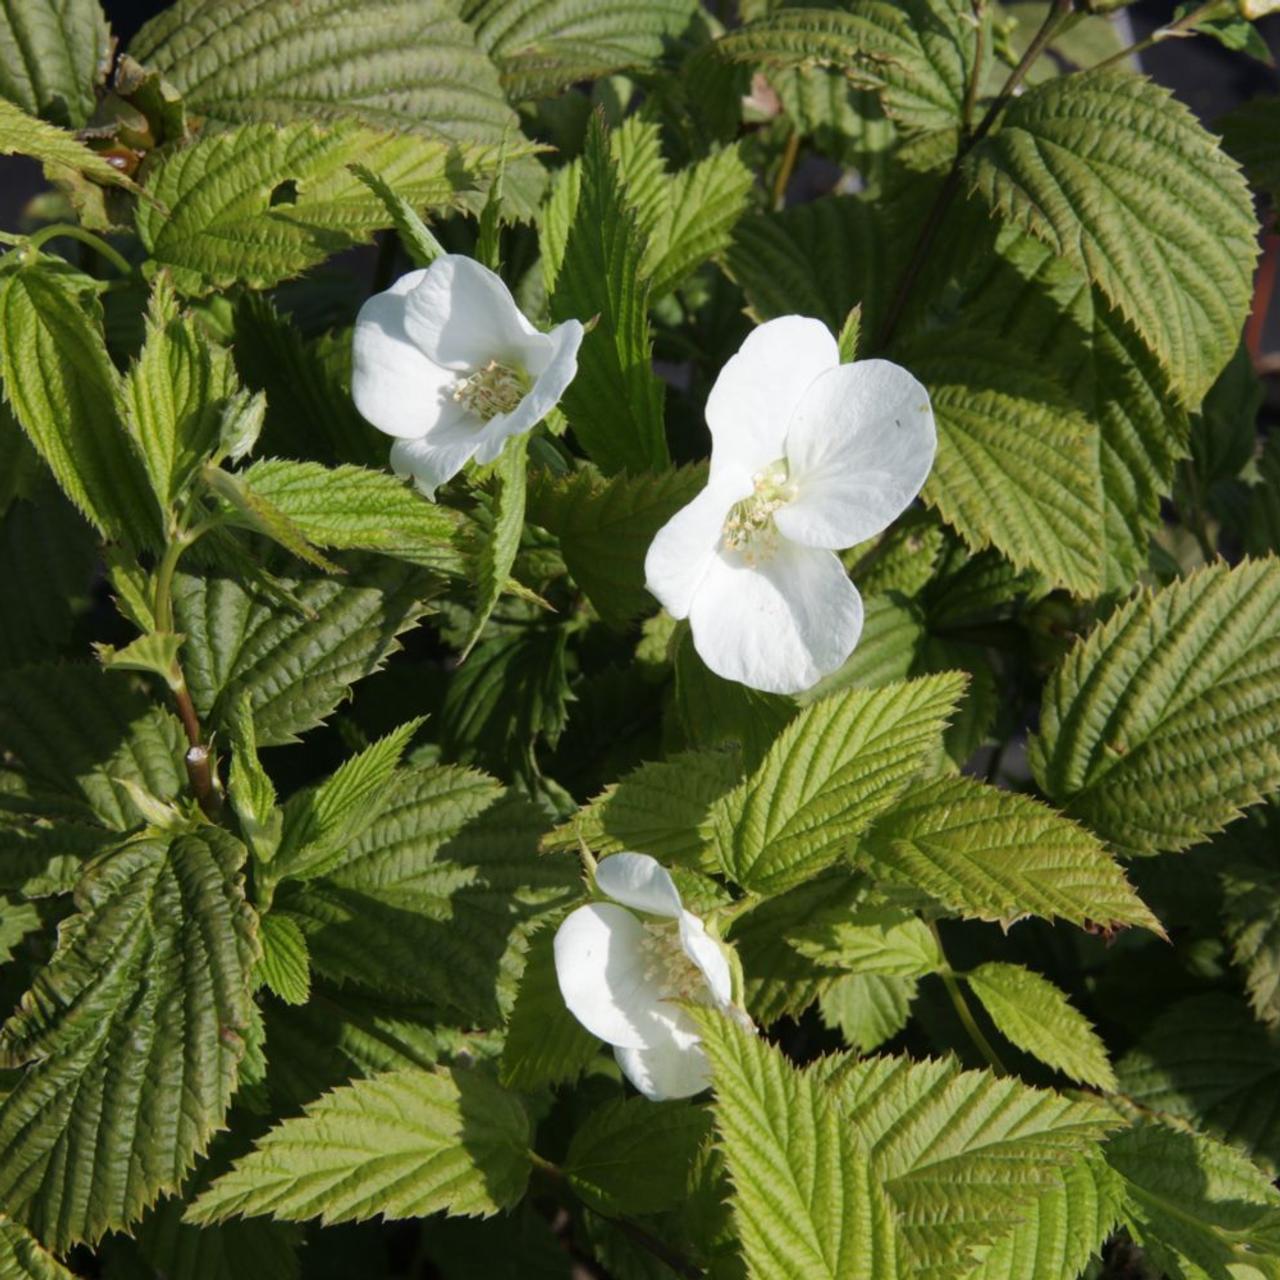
[805, 1202]
[1017, 464]
[1073, 163]
[23, 135]
[155, 652]
[22, 1258]
[545, 1044]
[250, 789]
[260, 203]
[498, 551]
[867, 1008]
[1061, 1230]
[438, 897]
[1205, 1060]
[996, 855]
[250, 510]
[915, 53]
[175, 394]
[53, 53]
[285, 966]
[614, 404]
[402, 1145]
[134, 1033]
[633, 1156]
[62, 387]
[1162, 725]
[833, 769]
[883, 941]
[1199, 1209]
[659, 808]
[296, 669]
[1251, 134]
[962, 1155]
[605, 527]
[1251, 915]
[1033, 1014]
[355, 509]
[418, 242]
[79, 734]
[544, 47]
[320, 822]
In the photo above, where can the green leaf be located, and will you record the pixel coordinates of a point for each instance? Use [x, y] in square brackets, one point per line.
[44, 859]
[1251, 915]
[633, 1156]
[805, 1202]
[545, 1044]
[406, 65]
[421, 246]
[402, 1145]
[915, 54]
[1017, 465]
[660, 807]
[296, 669]
[497, 553]
[1073, 163]
[134, 1032]
[285, 966]
[438, 897]
[62, 387]
[996, 855]
[883, 941]
[1251, 134]
[1162, 725]
[355, 509]
[260, 203]
[1205, 1060]
[250, 789]
[867, 1008]
[1061, 1230]
[962, 1155]
[233, 1251]
[17, 919]
[53, 53]
[1033, 1014]
[1198, 1207]
[893, 633]
[605, 527]
[22, 1258]
[542, 48]
[614, 404]
[24, 135]
[250, 510]
[836, 766]
[320, 822]
[80, 734]
[156, 653]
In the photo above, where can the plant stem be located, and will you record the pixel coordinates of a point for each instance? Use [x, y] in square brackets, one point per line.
[1057, 15]
[979, 65]
[964, 1013]
[785, 170]
[1180, 28]
[72, 232]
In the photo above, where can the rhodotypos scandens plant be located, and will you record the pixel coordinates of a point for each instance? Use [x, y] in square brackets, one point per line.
[446, 362]
[621, 972]
[808, 456]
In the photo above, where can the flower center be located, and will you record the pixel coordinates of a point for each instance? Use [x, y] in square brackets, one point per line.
[668, 965]
[496, 388]
[749, 527]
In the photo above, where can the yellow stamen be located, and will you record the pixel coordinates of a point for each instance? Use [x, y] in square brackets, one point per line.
[494, 389]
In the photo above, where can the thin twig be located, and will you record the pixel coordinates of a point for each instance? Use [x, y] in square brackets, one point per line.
[1180, 28]
[979, 64]
[964, 1013]
[785, 170]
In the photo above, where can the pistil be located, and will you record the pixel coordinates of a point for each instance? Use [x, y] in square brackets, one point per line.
[750, 528]
[496, 388]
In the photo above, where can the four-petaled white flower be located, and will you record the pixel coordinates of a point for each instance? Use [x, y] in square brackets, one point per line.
[808, 456]
[445, 361]
[620, 972]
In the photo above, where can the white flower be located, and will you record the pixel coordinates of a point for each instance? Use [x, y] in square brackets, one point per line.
[808, 455]
[445, 361]
[619, 973]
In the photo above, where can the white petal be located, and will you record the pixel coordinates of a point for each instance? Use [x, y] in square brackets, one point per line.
[600, 970]
[393, 384]
[859, 449]
[435, 458]
[636, 880]
[708, 955]
[461, 315]
[750, 406]
[668, 1070]
[781, 625]
[683, 549]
